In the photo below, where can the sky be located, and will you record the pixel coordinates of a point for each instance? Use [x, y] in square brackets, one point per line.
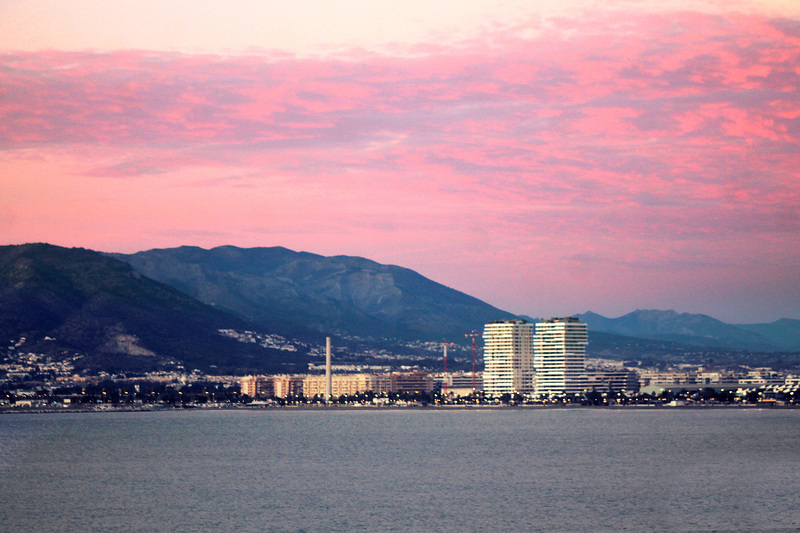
[549, 158]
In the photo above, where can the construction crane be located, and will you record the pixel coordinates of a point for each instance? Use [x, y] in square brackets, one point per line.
[445, 344]
[473, 335]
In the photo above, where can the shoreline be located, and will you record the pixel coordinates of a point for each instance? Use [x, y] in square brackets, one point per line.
[317, 407]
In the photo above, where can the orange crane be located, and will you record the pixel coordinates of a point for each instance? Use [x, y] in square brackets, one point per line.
[473, 335]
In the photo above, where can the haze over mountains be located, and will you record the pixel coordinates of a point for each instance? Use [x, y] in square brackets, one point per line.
[146, 309]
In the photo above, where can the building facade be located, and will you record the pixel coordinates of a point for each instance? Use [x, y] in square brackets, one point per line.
[416, 381]
[284, 386]
[458, 383]
[257, 386]
[560, 356]
[626, 381]
[346, 384]
[508, 357]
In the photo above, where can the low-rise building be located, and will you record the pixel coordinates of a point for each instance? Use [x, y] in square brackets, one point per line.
[612, 381]
[346, 384]
[256, 386]
[416, 381]
[285, 386]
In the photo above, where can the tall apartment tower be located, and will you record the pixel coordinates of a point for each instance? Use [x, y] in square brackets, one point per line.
[559, 355]
[508, 357]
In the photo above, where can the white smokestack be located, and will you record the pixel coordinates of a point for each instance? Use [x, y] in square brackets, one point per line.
[328, 378]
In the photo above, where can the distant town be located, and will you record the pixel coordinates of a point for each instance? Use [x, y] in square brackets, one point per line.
[523, 364]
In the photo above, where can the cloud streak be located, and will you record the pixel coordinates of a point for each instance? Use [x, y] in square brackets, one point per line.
[640, 143]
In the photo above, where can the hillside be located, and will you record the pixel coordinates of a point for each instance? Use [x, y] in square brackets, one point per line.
[784, 332]
[338, 295]
[75, 301]
[699, 330]
[78, 301]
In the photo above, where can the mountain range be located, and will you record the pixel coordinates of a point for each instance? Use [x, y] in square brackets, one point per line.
[700, 330]
[340, 295]
[189, 306]
[76, 302]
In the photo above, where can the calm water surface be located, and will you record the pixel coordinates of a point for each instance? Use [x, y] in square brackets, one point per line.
[402, 470]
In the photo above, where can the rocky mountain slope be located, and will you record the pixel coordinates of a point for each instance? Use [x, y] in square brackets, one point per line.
[77, 301]
[338, 295]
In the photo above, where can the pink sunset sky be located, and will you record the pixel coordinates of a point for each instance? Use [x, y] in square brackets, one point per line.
[546, 157]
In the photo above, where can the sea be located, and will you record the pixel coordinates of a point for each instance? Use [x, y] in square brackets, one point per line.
[402, 469]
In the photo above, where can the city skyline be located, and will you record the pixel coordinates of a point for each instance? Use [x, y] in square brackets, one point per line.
[547, 158]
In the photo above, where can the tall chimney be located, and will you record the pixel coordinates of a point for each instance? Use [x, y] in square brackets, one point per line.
[328, 378]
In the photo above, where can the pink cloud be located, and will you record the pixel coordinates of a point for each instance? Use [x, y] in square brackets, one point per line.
[609, 149]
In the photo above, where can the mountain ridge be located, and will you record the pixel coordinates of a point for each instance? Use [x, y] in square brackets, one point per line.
[699, 329]
[340, 294]
[118, 317]
[74, 300]
[356, 295]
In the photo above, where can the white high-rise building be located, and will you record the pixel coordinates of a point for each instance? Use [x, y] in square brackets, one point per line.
[559, 348]
[508, 357]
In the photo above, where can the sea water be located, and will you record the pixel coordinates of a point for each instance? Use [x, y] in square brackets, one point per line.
[407, 470]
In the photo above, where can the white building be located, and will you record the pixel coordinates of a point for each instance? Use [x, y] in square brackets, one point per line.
[508, 357]
[559, 356]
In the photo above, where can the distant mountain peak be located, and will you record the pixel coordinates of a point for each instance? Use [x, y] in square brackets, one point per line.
[685, 328]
